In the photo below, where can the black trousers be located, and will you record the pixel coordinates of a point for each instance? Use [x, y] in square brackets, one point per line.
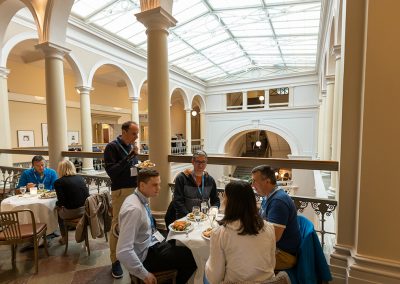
[167, 256]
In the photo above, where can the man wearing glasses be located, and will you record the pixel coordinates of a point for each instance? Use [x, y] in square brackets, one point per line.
[194, 187]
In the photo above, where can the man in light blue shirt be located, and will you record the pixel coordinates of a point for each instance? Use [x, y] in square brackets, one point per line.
[38, 174]
[141, 248]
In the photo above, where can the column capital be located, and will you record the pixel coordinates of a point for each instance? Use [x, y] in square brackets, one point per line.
[84, 90]
[323, 93]
[188, 109]
[156, 19]
[330, 79]
[51, 50]
[4, 72]
[134, 99]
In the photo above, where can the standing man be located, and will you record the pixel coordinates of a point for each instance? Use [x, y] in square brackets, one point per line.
[278, 208]
[141, 248]
[120, 157]
[38, 174]
[194, 187]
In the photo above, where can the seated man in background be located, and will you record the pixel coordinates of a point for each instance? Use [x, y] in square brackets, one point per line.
[141, 248]
[278, 208]
[194, 187]
[38, 174]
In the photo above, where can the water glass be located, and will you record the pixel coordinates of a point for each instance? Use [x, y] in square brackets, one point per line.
[22, 189]
[204, 209]
[41, 186]
[33, 190]
[212, 214]
[196, 213]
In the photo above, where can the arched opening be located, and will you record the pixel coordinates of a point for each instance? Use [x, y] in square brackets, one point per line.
[143, 116]
[178, 122]
[110, 90]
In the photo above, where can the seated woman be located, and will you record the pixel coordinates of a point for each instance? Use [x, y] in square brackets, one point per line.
[243, 247]
[71, 192]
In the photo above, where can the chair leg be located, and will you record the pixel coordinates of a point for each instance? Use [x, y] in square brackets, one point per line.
[87, 241]
[36, 253]
[13, 255]
[66, 238]
[45, 243]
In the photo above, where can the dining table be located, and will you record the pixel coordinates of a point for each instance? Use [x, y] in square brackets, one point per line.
[42, 208]
[197, 243]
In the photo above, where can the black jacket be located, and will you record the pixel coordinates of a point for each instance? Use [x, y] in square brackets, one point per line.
[71, 191]
[118, 165]
[187, 195]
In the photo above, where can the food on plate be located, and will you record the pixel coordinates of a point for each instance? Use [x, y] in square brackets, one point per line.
[40, 191]
[51, 194]
[180, 225]
[146, 164]
[190, 216]
[207, 233]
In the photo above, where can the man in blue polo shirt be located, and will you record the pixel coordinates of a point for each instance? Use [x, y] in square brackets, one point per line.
[38, 174]
[278, 208]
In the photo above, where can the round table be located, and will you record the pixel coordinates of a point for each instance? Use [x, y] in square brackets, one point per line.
[43, 209]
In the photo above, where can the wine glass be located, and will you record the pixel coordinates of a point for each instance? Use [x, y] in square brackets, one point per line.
[204, 209]
[41, 186]
[196, 213]
[212, 214]
[22, 189]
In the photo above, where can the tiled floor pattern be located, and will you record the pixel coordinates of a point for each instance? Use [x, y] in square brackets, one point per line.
[76, 267]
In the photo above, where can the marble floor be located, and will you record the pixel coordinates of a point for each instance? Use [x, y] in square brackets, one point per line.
[76, 267]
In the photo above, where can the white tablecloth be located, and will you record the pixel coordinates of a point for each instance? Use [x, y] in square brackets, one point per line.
[42, 208]
[199, 246]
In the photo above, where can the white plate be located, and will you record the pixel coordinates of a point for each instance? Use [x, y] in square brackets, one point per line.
[194, 220]
[188, 229]
[204, 237]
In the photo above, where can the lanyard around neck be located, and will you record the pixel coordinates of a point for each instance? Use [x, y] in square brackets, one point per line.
[146, 206]
[202, 187]
[123, 149]
[36, 178]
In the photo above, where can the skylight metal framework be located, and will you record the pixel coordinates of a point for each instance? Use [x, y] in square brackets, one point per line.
[222, 40]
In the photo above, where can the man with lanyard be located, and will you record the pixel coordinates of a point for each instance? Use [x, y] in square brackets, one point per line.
[194, 187]
[38, 174]
[141, 248]
[120, 160]
[278, 208]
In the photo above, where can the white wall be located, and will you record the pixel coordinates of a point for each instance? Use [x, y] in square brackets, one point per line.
[305, 95]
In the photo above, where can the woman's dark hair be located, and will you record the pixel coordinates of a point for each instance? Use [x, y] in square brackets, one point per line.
[241, 205]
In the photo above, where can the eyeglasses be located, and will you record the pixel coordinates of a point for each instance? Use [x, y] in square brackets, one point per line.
[200, 162]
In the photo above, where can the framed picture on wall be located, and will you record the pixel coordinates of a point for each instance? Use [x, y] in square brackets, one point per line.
[26, 138]
[73, 137]
[44, 135]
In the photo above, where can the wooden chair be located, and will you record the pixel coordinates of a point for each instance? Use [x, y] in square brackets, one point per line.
[9, 186]
[13, 233]
[72, 223]
[167, 276]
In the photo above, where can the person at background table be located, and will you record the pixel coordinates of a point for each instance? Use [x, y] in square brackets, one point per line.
[38, 174]
[141, 248]
[194, 187]
[120, 158]
[278, 208]
[243, 247]
[71, 193]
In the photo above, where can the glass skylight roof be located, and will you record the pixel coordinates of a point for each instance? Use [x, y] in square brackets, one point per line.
[222, 40]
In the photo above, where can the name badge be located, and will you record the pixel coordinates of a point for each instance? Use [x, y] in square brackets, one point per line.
[133, 171]
[158, 236]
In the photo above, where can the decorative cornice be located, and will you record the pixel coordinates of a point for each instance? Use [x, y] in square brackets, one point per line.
[52, 50]
[155, 19]
[330, 79]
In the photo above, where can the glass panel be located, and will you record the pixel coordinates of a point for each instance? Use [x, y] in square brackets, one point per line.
[83, 8]
[220, 4]
[185, 12]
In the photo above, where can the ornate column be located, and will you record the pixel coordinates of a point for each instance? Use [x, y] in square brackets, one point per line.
[86, 126]
[337, 114]
[188, 131]
[244, 100]
[330, 83]
[157, 21]
[55, 98]
[5, 129]
[135, 114]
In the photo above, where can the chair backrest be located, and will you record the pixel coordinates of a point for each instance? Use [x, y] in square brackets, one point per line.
[9, 185]
[10, 226]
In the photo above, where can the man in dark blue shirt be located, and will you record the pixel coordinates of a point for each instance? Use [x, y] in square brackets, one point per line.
[278, 208]
[38, 174]
[120, 160]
